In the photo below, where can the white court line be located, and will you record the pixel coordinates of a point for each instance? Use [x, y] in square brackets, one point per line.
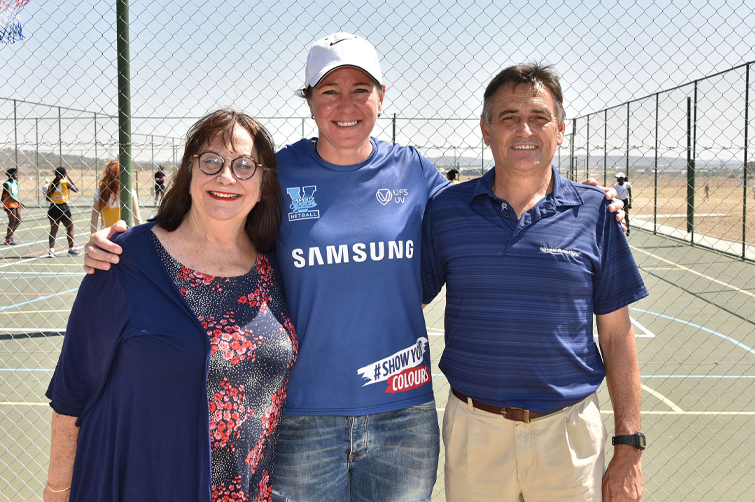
[692, 271]
[50, 274]
[646, 333]
[696, 413]
[24, 260]
[33, 311]
[31, 330]
[663, 398]
[675, 215]
[21, 403]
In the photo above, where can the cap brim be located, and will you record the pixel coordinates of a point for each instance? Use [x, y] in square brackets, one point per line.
[324, 72]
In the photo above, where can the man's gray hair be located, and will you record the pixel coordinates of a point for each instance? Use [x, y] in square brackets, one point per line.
[536, 75]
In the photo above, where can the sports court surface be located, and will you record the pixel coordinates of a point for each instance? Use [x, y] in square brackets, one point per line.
[695, 337]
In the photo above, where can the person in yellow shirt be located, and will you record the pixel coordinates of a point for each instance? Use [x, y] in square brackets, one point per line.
[12, 205]
[107, 199]
[58, 193]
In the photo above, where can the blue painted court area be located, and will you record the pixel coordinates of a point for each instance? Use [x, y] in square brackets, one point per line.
[695, 340]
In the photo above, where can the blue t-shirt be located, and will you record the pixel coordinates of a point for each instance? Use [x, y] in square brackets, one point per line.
[521, 292]
[349, 257]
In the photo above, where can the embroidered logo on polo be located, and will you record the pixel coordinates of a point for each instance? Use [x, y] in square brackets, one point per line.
[402, 371]
[575, 254]
[386, 195]
[302, 202]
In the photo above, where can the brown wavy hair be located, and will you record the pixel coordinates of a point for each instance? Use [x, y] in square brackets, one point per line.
[110, 184]
[264, 219]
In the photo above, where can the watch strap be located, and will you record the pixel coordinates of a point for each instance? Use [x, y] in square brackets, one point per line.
[637, 440]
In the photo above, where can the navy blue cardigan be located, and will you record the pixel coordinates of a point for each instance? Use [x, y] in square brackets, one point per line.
[133, 369]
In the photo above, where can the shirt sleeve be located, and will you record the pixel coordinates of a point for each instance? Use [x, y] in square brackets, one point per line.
[617, 281]
[433, 267]
[98, 319]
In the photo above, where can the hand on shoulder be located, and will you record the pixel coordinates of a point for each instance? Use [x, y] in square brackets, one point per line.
[100, 251]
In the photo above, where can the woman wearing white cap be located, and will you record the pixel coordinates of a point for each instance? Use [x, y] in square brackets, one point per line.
[360, 421]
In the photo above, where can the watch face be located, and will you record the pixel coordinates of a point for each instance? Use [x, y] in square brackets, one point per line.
[641, 440]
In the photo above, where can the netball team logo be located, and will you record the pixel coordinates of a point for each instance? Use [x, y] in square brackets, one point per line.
[302, 202]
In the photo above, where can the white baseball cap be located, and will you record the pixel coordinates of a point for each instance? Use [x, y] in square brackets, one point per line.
[341, 49]
[620, 175]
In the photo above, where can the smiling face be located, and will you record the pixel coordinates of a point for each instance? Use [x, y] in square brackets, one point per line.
[345, 103]
[524, 129]
[222, 197]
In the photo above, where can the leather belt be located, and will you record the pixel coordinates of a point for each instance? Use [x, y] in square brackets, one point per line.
[515, 414]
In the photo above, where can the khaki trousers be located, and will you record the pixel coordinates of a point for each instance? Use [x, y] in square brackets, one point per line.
[559, 457]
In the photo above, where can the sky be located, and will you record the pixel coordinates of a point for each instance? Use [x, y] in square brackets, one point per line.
[188, 58]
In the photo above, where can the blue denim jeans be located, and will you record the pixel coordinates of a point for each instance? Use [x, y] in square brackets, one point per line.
[383, 457]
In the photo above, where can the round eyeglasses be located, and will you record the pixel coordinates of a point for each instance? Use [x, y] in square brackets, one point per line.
[243, 168]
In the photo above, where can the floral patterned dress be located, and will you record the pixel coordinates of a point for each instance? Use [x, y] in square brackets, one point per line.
[253, 348]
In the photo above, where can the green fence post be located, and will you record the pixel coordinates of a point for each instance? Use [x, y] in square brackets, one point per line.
[655, 181]
[690, 174]
[96, 153]
[36, 158]
[15, 138]
[152, 144]
[482, 158]
[60, 138]
[587, 154]
[394, 128]
[124, 111]
[605, 147]
[627, 166]
[571, 149]
[744, 188]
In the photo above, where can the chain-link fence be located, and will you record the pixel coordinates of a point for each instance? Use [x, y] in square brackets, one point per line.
[685, 151]
[661, 92]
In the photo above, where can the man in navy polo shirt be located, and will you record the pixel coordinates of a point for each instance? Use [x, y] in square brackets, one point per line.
[527, 258]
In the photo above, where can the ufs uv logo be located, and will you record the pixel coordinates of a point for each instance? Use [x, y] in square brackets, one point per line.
[301, 205]
[385, 195]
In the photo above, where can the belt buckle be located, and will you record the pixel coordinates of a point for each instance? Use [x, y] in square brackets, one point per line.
[525, 414]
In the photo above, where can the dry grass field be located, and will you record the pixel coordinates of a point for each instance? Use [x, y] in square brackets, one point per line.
[720, 215]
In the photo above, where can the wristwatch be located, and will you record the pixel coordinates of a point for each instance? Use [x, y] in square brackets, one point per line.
[637, 440]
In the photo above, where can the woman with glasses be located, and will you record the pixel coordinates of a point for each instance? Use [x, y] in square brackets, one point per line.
[172, 377]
